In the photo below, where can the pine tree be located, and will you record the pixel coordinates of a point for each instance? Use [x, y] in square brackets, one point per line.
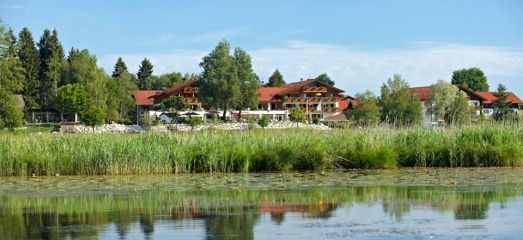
[28, 55]
[145, 75]
[119, 68]
[501, 107]
[276, 79]
[79, 68]
[11, 69]
[51, 59]
[248, 81]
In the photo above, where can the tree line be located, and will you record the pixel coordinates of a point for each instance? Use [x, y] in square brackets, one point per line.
[399, 106]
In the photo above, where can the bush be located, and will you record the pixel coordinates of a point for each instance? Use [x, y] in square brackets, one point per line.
[316, 120]
[194, 122]
[264, 121]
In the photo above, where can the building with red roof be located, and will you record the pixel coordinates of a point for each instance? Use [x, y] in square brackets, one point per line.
[315, 98]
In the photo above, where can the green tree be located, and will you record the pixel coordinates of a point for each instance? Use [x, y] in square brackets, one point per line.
[11, 113]
[502, 109]
[447, 102]
[80, 67]
[473, 78]
[11, 69]
[28, 55]
[276, 79]
[249, 83]
[92, 116]
[219, 84]
[297, 115]
[71, 99]
[399, 105]
[145, 75]
[119, 68]
[120, 103]
[174, 102]
[167, 80]
[368, 111]
[51, 56]
[325, 79]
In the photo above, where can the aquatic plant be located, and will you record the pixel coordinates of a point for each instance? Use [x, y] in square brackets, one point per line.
[259, 150]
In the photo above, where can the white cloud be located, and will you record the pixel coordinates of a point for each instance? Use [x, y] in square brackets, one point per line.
[421, 63]
[211, 36]
[16, 6]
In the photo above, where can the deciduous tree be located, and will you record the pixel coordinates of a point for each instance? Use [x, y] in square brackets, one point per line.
[399, 105]
[219, 84]
[448, 103]
[248, 81]
[367, 113]
[473, 78]
[325, 79]
[11, 113]
[71, 99]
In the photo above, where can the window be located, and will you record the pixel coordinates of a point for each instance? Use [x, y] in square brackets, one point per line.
[313, 85]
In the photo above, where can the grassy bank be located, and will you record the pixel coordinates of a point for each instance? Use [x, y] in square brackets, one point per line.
[259, 150]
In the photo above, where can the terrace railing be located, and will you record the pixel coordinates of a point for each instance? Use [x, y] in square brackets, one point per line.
[190, 90]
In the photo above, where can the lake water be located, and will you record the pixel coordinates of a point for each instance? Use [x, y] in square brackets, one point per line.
[380, 204]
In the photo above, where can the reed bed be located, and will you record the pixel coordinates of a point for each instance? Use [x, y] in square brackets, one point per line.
[259, 150]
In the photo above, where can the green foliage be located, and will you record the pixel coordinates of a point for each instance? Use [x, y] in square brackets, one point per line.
[11, 113]
[297, 115]
[51, 55]
[400, 106]
[174, 102]
[145, 75]
[119, 68]
[28, 55]
[71, 99]
[473, 78]
[248, 81]
[12, 74]
[147, 120]
[120, 102]
[325, 79]
[502, 108]
[448, 103]
[276, 79]
[194, 122]
[93, 116]
[219, 83]
[80, 68]
[168, 80]
[260, 150]
[264, 121]
[367, 113]
[316, 120]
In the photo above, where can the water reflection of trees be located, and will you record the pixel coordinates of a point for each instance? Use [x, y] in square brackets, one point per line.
[225, 214]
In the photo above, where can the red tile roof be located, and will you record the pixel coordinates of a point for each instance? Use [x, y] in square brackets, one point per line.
[423, 93]
[343, 103]
[266, 93]
[145, 97]
[490, 97]
[337, 117]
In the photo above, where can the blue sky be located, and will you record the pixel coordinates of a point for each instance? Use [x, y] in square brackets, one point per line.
[358, 43]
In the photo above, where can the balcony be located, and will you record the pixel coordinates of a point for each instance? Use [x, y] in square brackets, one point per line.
[190, 90]
[309, 99]
[192, 100]
[314, 89]
[323, 110]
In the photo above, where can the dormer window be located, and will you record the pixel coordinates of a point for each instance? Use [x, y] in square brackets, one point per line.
[313, 85]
